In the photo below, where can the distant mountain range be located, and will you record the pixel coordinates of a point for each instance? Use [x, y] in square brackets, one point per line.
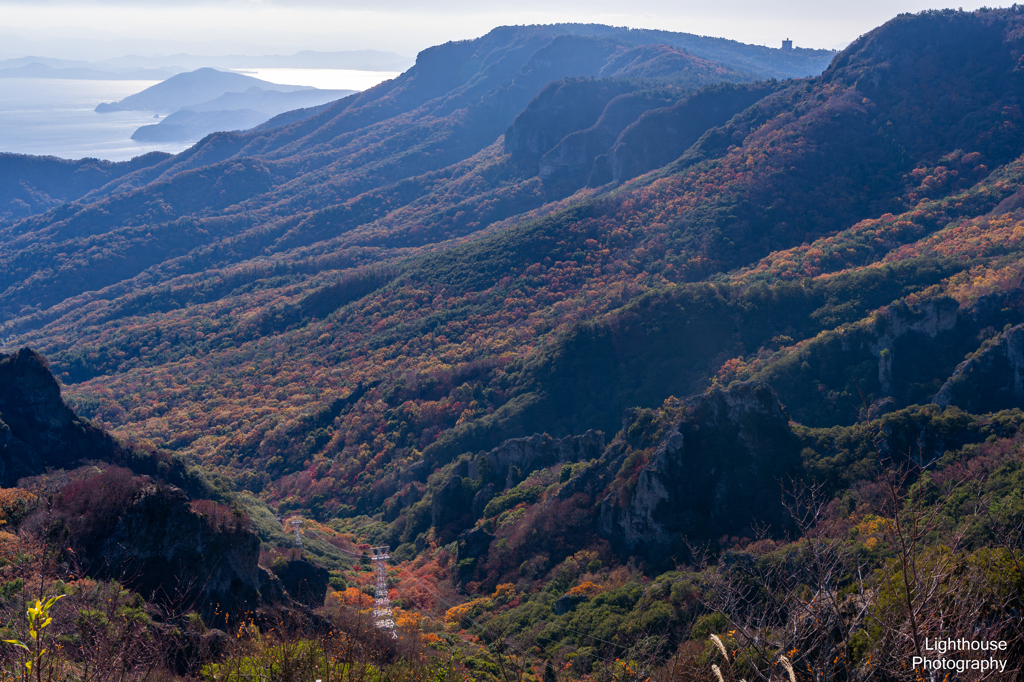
[208, 100]
[234, 111]
[40, 70]
[134, 67]
[195, 87]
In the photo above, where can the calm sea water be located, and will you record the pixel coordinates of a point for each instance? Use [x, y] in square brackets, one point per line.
[55, 117]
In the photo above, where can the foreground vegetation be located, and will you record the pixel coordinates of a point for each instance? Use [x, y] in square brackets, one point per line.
[917, 547]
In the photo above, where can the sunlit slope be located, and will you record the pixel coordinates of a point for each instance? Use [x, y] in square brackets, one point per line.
[357, 298]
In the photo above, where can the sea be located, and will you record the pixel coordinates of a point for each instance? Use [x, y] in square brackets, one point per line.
[56, 117]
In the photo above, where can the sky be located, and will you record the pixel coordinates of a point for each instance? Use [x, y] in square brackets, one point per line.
[101, 29]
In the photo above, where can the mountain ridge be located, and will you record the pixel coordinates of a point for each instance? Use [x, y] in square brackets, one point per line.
[194, 87]
[631, 360]
[310, 247]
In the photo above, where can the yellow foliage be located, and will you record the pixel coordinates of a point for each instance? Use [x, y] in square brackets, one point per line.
[585, 589]
[505, 592]
[14, 502]
[874, 524]
[353, 597]
[982, 281]
[455, 614]
[409, 620]
[585, 556]
[872, 529]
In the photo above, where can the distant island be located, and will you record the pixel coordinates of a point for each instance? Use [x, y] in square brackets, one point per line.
[207, 100]
[195, 87]
[234, 111]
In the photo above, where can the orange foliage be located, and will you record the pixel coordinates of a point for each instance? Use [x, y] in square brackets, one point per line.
[10, 546]
[585, 589]
[409, 620]
[14, 503]
[967, 287]
[351, 597]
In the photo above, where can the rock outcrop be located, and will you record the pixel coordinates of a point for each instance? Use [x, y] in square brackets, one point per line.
[534, 452]
[991, 379]
[898, 324]
[899, 356]
[479, 478]
[562, 108]
[170, 554]
[662, 135]
[123, 526]
[37, 430]
[718, 470]
[304, 581]
[573, 159]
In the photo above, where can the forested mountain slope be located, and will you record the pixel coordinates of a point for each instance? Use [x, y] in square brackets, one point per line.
[564, 308]
[34, 184]
[328, 311]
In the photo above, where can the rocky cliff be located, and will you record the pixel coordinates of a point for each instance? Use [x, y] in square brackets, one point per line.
[904, 354]
[662, 135]
[170, 554]
[37, 430]
[718, 464]
[990, 379]
[135, 529]
[304, 581]
[479, 478]
[535, 452]
[714, 465]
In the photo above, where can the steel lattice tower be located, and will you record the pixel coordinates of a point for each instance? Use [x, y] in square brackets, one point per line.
[297, 526]
[382, 617]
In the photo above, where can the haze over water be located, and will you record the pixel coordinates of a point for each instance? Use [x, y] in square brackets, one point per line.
[56, 117]
[325, 79]
[45, 116]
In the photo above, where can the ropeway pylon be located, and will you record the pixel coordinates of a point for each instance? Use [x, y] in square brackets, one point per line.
[382, 616]
[297, 526]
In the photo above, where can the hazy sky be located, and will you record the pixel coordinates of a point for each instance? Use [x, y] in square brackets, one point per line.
[107, 28]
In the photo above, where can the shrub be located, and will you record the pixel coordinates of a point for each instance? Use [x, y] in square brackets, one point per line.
[15, 503]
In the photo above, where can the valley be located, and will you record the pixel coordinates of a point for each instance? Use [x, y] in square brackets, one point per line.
[617, 339]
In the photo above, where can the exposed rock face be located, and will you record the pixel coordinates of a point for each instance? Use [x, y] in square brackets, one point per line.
[477, 480]
[900, 356]
[472, 544]
[151, 539]
[573, 158]
[719, 470]
[449, 502]
[482, 497]
[560, 109]
[662, 135]
[305, 582]
[168, 553]
[568, 131]
[991, 379]
[929, 320]
[37, 430]
[536, 452]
